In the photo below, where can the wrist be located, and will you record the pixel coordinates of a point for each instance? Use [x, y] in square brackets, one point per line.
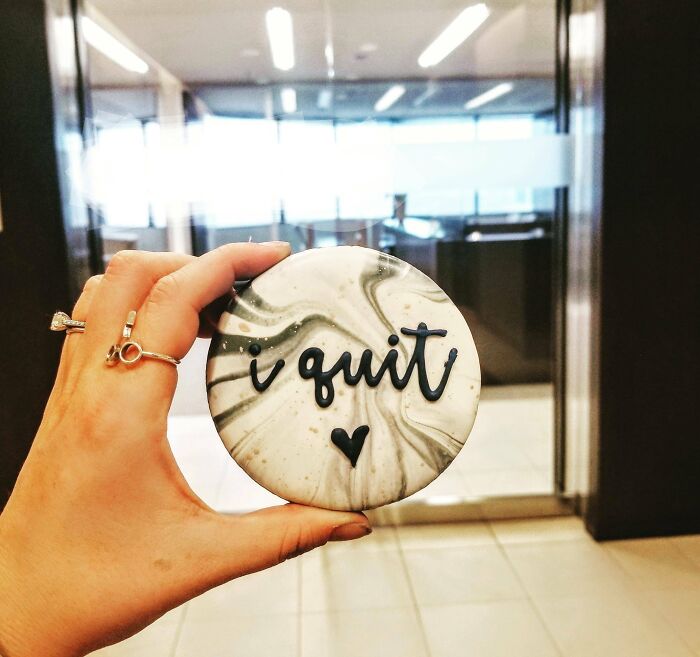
[24, 629]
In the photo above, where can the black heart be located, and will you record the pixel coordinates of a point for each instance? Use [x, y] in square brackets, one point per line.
[351, 447]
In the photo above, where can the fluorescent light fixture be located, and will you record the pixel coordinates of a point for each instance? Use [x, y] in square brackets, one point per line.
[330, 60]
[429, 92]
[281, 36]
[389, 98]
[110, 46]
[454, 35]
[496, 92]
[289, 100]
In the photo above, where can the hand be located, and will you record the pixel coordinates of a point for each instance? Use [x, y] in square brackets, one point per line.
[102, 534]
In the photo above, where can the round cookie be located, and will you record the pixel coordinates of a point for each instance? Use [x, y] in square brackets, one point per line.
[343, 378]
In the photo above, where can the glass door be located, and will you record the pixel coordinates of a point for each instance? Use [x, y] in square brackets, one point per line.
[426, 130]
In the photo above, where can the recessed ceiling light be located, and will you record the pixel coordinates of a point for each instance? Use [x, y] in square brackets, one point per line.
[454, 35]
[280, 33]
[110, 46]
[289, 100]
[250, 52]
[496, 92]
[389, 98]
[367, 48]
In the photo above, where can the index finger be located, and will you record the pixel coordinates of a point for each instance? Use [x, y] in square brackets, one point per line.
[169, 319]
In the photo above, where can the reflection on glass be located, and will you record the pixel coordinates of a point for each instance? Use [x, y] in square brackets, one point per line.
[425, 130]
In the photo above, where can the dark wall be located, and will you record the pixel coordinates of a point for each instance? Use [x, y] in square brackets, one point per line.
[33, 256]
[646, 467]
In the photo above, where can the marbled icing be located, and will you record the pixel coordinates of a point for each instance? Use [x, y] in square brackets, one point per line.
[343, 299]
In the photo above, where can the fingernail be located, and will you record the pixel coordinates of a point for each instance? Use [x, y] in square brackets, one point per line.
[350, 532]
[276, 244]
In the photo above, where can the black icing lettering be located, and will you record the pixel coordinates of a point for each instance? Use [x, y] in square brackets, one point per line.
[422, 333]
[324, 384]
[261, 386]
[311, 367]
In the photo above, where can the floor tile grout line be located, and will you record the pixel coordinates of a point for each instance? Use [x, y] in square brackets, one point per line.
[535, 608]
[649, 609]
[626, 584]
[414, 597]
[178, 629]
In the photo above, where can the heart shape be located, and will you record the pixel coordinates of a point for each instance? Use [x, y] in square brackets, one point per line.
[351, 447]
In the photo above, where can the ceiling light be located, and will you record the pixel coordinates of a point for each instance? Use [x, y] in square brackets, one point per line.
[429, 92]
[497, 91]
[289, 100]
[389, 98]
[330, 60]
[454, 35]
[110, 46]
[281, 36]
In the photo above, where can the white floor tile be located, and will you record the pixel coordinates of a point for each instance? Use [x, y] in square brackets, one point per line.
[508, 453]
[457, 575]
[655, 563]
[689, 546]
[199, 453]
[271, 635]
[445, 535]
[566, 568]
[352, 580]
[612, 625]
[238, 493]
[681, 609]
[493, 629]
[525, 481]
[272, 591]
[449, 486]
[510, 532]
[369, 633]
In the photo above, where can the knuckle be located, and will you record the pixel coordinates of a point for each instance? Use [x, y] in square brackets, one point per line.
[92, 283]
[165, 290]
[83, 301]
[296, 540]
[122, 262]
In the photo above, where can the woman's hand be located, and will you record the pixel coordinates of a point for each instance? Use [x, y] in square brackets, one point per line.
[102, 534]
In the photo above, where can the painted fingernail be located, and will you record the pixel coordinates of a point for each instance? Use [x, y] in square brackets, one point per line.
[350, 532]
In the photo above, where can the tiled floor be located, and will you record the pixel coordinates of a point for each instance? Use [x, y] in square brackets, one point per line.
[509, 452]
[536, 588]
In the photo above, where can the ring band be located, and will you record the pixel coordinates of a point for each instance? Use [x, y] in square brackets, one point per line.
[62, 322]
[131, 352]
[132, 345]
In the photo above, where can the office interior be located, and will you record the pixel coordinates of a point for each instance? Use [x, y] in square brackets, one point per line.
[497, 156]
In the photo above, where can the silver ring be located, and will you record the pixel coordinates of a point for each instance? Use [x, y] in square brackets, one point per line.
[131, 352]
[132, 345]
[62, 322]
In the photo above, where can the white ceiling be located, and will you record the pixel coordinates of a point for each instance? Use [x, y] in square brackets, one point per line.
[205, 41]
[210, 45]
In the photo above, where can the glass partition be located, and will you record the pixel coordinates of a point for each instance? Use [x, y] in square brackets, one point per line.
[371, 128]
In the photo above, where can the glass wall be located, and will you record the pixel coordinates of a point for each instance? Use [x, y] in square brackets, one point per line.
[372, 124]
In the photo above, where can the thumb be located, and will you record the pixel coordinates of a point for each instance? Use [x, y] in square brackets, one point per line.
[262, 539]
